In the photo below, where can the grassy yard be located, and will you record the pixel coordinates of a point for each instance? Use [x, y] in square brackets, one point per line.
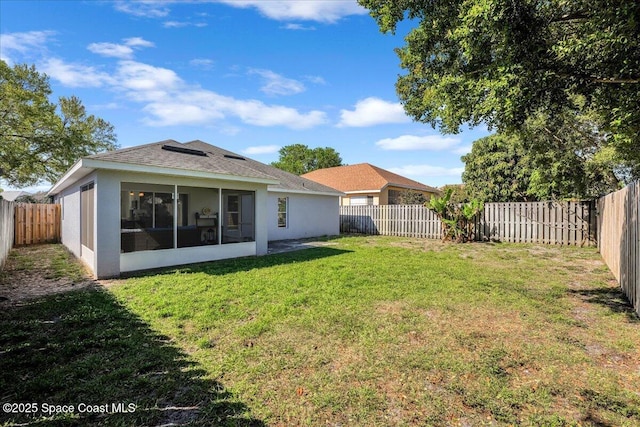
[367, 331]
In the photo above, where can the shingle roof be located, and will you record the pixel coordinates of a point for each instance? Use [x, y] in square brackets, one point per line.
[217, 160]
[154, 155]
[363, 177]
[288, 181]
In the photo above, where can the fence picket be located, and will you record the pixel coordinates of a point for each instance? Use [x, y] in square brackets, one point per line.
[619, 238]
[36, 223]
[523, 222]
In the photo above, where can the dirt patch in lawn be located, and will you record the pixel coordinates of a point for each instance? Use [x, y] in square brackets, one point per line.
[35, 271]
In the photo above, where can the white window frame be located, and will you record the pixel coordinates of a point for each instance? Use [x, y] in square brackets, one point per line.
[286, 212]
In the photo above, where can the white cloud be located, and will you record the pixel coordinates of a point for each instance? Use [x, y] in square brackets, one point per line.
[169, 100]
[203, 63]
[138, 42]
[275, 84]
[316, 80]
[75, 75]
[179, 113]
[262, 149]
[122, 51]
[297, 27]
[108, 106]
[144, 8]
[145, 82]
[22, 43]
[182, 24]
[328, 11]
[373, 111]
[427, 170]
[259, 114]
[111, 50]
[413, 142]
[462, 150]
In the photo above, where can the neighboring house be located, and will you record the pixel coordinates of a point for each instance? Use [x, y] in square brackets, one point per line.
[365, 184]
[169, 203]
[12, 195]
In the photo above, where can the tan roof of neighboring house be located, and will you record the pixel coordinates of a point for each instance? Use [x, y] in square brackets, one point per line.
[362, 177]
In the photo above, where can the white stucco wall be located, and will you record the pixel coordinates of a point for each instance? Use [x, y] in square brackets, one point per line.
[69, 200]
[308, 216]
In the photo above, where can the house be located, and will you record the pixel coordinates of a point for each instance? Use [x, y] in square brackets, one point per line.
[12, 195]
[169, 203]
[365, 184]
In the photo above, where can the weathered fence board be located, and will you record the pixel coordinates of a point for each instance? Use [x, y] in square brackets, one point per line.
[6, 229]
[36, 223]
[561, 223]
[619, 238]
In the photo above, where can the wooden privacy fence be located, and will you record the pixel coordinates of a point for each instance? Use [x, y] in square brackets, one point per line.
[619, 238]
[6, 229]
[36, 223]
[562, 223]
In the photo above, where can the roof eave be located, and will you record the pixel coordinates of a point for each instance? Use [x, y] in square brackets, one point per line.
[75, 172]
[363, 191]
[307, 192]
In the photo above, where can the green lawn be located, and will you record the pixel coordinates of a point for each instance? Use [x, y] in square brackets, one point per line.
[366, 331]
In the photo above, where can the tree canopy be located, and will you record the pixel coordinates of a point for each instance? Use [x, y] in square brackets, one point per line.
[498, 169]
[505, 63]
[300, 159]
[40, 140]
[553, 157]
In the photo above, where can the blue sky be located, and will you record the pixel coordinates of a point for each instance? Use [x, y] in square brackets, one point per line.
[248, 76]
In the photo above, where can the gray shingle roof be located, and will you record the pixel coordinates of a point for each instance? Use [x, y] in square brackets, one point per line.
[154, 155]
[288, 181]
[215, 161]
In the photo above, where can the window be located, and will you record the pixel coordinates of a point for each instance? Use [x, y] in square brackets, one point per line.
[361, 200]
[283, 207]
[146, 218]
[86, 215]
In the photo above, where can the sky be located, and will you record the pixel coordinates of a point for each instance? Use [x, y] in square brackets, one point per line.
[248, 76]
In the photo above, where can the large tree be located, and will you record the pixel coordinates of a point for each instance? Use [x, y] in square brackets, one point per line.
[300, 159]
[498, 169]
[40, 140]
[502, 62]
[555, 156]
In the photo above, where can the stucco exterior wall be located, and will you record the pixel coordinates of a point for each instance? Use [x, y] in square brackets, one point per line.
[307, 216]
[69, 201]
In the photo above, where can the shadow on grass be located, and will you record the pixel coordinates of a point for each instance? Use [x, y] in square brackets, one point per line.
[236, 265]
[611, 298]
[84, 347]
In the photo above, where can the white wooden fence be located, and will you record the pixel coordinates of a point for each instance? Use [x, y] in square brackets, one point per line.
[6, 229]
[619, 238]
[561, 223]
